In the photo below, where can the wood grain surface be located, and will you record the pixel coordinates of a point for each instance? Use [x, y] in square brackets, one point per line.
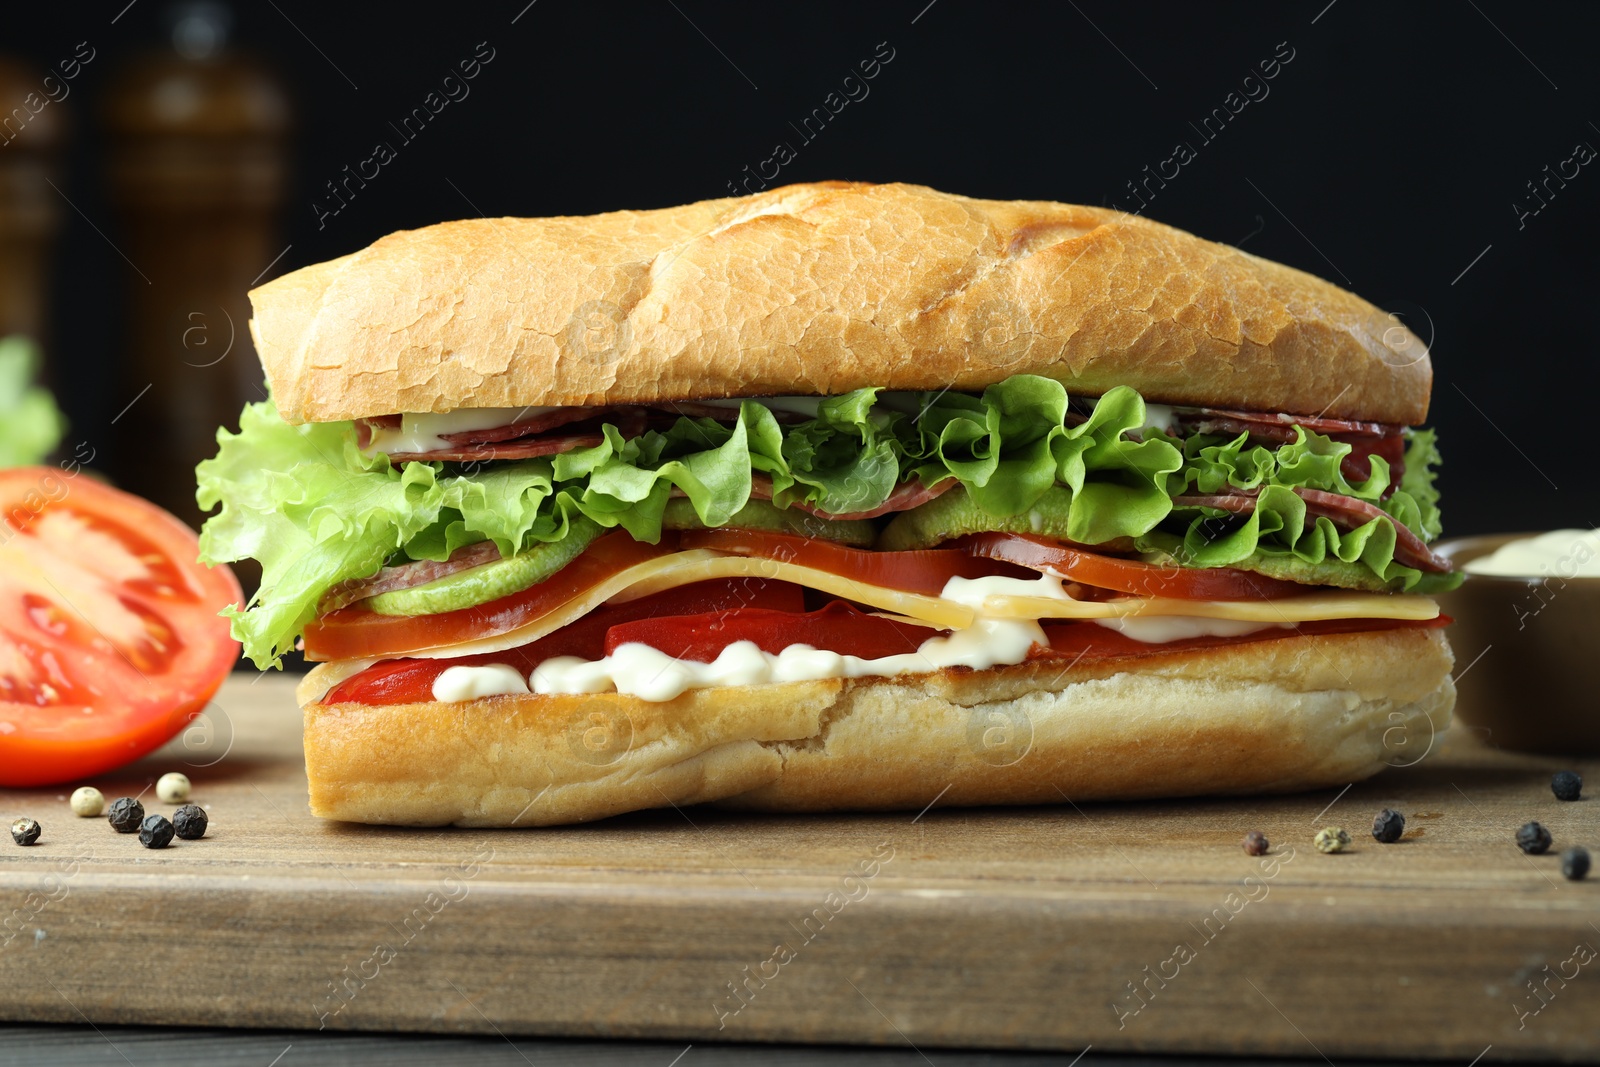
[1136, 927]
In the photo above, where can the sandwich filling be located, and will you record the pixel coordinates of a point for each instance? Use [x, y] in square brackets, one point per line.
[651, 549]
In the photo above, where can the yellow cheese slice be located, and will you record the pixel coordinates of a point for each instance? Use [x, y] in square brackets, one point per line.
[698, 565]
[945, 614]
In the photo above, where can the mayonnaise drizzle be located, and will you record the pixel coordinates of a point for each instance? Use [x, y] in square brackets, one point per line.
[647, 673]
[650, 674]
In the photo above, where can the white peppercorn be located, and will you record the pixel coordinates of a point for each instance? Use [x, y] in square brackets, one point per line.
[172, 788]
[87, 801]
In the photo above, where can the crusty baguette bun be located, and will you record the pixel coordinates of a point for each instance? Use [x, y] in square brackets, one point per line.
[1265, 716]
[819, 289]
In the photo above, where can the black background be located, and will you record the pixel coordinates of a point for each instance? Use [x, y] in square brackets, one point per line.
[1387, 156]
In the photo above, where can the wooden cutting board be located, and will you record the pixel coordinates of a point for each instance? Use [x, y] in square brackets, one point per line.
[1130, 926]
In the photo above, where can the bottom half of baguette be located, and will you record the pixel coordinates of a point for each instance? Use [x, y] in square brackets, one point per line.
[1262, 716]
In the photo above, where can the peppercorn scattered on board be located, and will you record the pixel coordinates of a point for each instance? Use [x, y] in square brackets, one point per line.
[1126, 927]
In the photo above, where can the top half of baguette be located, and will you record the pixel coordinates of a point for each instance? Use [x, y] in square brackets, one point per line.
[818, 289]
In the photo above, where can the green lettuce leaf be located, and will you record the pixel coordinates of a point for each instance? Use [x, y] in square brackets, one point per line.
[316, 511]
[30, 423]
[1276, 538]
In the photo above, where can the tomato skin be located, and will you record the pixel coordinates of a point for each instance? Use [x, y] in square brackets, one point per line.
[838, 627]
[357, 633]
[923, 571]
[409, 681]
[1127, 575]
[79, 695]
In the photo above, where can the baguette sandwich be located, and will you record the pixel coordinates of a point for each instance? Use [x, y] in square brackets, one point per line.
[838, 496]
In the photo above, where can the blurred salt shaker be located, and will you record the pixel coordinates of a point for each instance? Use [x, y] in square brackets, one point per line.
[197, 166]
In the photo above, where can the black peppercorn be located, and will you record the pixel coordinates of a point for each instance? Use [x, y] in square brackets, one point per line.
[155, 832]
[1533, 839]
[1388, 825]
[25, 831]
[1575, 863]
[125, 814]
[1255, 843]
[190, 822]
[1566, 785]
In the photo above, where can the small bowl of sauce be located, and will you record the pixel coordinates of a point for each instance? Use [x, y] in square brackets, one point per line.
[1527, 639]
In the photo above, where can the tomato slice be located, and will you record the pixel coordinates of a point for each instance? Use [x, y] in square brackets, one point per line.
[924, 571]
[357, 633]
[110, 638]
[408, 681]
[839, 627]
[1127, 575]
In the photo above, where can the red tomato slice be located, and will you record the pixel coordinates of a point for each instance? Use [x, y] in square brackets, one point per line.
[408, 681]
[924, 571]
[110, 639]
[1127, 575]
[357, 633]
[837, 628]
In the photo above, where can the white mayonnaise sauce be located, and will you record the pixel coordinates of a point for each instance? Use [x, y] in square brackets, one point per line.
[1157, 417]
[650, 674]
[972, 592]
[469, 683]
[1557, 554]
[641, 671]
[425, 433]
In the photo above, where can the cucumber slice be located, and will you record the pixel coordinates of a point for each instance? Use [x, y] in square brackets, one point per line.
[491, 581]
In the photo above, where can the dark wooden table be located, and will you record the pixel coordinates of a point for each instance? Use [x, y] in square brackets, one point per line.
[1130, 928]
[82, 1046]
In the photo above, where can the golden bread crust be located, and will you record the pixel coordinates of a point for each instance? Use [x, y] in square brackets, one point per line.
[819, 289]
[1263, 716]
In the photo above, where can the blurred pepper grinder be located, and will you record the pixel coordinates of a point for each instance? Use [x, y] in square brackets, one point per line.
[197, 170]
[32, 127]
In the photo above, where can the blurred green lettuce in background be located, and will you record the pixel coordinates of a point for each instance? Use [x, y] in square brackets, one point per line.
[30, 423]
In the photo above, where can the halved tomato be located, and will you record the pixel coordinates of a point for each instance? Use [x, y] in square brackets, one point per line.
[110, 638]
[1126, 575]
[924, 571]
